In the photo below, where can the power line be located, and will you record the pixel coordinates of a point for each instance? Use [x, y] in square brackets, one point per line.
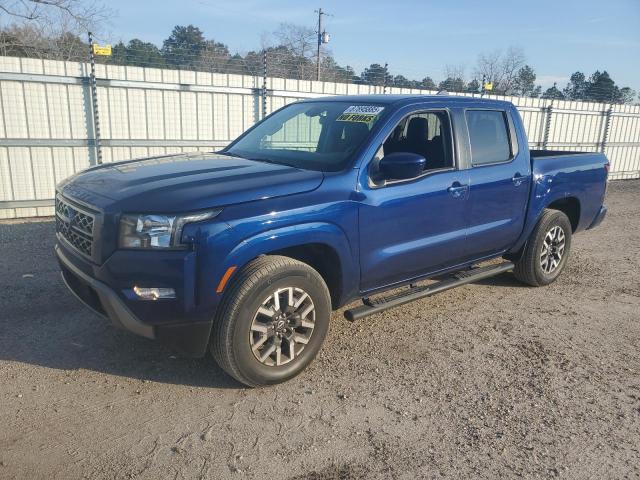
[282, 63]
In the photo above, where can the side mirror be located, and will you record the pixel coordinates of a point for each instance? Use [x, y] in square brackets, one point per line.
[402, 165]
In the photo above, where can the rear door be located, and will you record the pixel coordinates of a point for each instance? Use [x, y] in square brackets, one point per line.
[499, 179]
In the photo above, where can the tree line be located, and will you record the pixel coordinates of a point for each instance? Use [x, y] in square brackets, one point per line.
[291, 53]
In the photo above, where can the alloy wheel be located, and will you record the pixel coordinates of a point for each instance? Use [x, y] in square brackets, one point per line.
[552, 249]
[282, 326]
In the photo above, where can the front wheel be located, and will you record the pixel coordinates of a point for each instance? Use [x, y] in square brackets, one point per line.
[547, 250]
[272, 321]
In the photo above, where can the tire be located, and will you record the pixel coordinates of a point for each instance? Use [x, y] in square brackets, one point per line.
[534, 267]
[247, 321]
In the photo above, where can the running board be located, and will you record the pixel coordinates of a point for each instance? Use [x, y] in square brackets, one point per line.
[457, 279]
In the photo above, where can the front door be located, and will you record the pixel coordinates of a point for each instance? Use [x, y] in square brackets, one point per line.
[411, 228]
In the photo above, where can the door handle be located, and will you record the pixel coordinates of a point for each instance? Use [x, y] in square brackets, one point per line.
[457, 190]
[517, 179]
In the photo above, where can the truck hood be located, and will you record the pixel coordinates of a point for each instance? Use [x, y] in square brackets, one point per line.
[185, 182]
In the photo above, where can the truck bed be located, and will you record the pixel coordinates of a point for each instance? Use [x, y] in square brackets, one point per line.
[568, 174]
[560, 153]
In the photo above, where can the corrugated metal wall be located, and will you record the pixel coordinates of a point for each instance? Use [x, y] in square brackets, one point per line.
[47, 123]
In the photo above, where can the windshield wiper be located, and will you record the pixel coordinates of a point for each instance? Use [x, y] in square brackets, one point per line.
[265, 160]
[229, 154]
[246, 157]
[255, 159]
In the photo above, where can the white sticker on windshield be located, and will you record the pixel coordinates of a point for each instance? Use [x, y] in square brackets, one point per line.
[360, 113]
[370, 109]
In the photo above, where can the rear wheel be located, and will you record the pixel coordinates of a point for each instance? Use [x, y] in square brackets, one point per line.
[272, 321]
[547, 250]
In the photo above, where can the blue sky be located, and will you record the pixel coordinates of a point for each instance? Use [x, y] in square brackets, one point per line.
[418, 37]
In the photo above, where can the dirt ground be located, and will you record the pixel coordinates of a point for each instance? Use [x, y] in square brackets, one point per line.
[489, 380]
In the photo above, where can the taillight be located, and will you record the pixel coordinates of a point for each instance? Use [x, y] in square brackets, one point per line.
[606, 168]
[606, 178]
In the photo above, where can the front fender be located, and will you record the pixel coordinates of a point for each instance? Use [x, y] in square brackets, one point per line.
[292, 236]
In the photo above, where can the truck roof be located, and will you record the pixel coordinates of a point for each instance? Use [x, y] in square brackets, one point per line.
[399, 100]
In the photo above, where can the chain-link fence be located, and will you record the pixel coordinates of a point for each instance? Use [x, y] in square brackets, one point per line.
[57, 117]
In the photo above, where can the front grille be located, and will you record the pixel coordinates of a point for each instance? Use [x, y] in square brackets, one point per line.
[75, 225]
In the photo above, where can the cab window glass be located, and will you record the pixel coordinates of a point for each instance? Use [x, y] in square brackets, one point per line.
[425, 133]
[488, 136]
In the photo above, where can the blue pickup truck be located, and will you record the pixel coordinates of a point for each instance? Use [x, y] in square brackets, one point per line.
[245, 252]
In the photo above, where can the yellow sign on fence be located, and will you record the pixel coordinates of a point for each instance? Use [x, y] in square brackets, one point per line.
[98, 50]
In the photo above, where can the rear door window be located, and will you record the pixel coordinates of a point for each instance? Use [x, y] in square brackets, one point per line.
[488, 136]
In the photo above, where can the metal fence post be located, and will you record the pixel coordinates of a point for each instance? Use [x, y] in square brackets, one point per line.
[264, 83]
[386, 77]
[607, 128]
[94, 101]
[547, 126]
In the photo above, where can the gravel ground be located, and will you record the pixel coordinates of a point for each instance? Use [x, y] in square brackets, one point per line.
[489, 380]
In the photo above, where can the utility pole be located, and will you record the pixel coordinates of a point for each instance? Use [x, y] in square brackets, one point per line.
[323, 37]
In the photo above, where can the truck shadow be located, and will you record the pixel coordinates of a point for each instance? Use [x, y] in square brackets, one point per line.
[52, 329]
[42, 324]
[82, 340]
[503, 280]
[78, 339]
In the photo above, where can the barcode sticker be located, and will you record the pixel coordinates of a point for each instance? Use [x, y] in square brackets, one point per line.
[365, 109]
[360, 113]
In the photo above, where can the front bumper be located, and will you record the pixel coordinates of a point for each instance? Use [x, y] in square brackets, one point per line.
[190, 338]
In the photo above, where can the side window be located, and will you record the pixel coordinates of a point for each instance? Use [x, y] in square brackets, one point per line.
[427, 134]
[489, 136]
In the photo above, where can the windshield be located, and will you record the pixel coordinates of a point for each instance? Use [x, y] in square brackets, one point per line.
[313, 135]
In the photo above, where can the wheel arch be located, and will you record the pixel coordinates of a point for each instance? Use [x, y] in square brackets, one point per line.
[540, 201]
[324, 259]
[570, 206]
[323, 246]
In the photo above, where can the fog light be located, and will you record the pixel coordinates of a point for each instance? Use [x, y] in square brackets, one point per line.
[154, 293]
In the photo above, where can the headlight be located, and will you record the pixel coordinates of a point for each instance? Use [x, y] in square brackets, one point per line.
[157, 231]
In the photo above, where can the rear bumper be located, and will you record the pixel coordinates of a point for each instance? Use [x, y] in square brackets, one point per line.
[190, 338]
[599, 217]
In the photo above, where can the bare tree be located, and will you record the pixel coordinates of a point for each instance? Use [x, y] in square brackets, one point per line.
[295, 51]
[83, 13]
[500, 68]
[33, 42]
[512, 61]
[488, 67]
[214, 57]
[454, 71]
[300, 40]
[454, 79]
[54, 29]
